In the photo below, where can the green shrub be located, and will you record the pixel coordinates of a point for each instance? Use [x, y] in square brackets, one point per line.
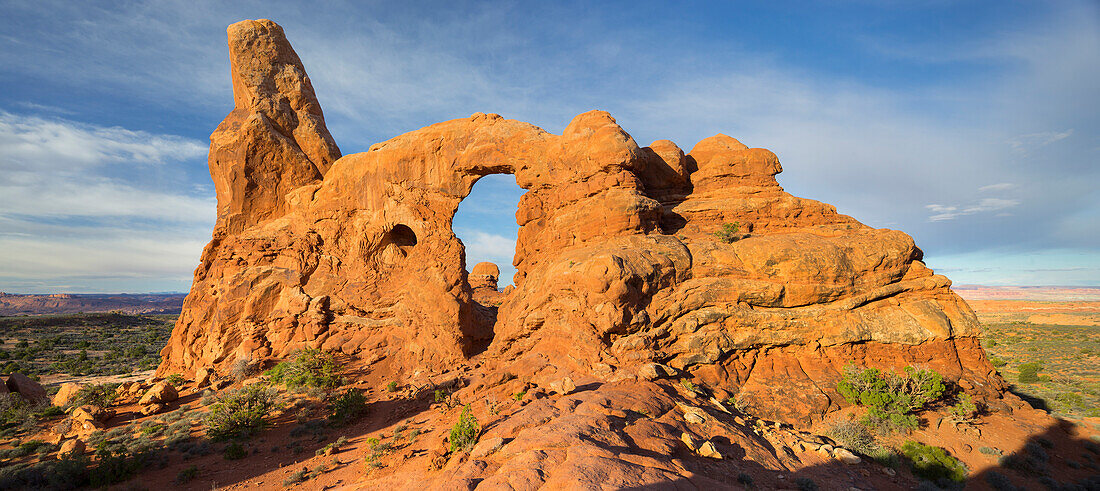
[1029, 372]
[933, 463]
[392, 386]
[332, 447]
[996, 361]
[729, 233]
[805, 484]
[991, 451]
[855, 436]
[102, 395]
[347, 406]
[114, 466]
[964, 411]
[16, 412]
[891, 399]
[234, 451]
[745, 479]
[309, 368]
[50, 412]
[464, 433]
[175, 380]
[240, 413]
[187, 475]
[296, 478]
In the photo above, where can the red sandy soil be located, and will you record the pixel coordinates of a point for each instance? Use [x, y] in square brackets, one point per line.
[271, 461]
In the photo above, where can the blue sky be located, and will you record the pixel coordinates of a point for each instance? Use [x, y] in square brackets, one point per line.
[973, 126]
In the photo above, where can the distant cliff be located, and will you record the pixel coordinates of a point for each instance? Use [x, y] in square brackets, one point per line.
[15, 304]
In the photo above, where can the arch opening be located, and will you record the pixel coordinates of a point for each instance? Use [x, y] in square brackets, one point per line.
[485, 224]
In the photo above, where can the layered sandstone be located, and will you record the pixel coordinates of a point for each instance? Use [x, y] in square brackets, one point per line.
[617, 258]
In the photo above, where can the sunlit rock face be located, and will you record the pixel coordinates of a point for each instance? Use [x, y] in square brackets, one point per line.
[619, 261]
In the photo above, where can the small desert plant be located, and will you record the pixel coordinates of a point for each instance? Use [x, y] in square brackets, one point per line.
[241, 369]
[392, 386]
[234, 451]
[347, 406]
[1029, 372]
[332, 447]
[805, 484]
[991, 451]
[690, 386]
[102, 395]
[113, 466]
[240, 413]
[999, 481]
[309, 368]
[464, 433]
[297, 477]
[187, 475]
[964, 411]
[175, 380]
[891, 399]
[745, 479]
[49, 412]
[729, 233]
[855, 436]
[933, 463]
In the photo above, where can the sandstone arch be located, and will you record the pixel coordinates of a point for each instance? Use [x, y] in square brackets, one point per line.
[617, 262]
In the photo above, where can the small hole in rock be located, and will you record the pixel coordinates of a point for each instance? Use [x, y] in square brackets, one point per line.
[403, 236]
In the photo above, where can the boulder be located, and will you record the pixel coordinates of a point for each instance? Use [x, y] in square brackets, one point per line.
[65, 394]
[708, 450]
[83, 428]
[202, 377]
[71, 448]
[846, 456]
[689, 442]
[484, 275]
[153, 408]
[89, 412]
[160, 392]
[563, 386]
[24, 386]
[486, 447]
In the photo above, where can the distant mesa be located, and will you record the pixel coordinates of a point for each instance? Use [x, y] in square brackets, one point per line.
[621, 257]
[65, 303]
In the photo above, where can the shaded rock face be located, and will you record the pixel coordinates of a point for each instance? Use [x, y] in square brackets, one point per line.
[618, 262]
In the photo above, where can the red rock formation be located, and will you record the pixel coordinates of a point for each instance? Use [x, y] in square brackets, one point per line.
[617, 258]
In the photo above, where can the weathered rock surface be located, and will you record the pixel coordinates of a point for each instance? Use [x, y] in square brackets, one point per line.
[618, 264]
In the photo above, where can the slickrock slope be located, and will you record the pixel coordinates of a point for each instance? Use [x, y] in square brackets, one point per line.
[618, 263]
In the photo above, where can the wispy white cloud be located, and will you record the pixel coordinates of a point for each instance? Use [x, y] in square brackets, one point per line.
[34, 144]
[1032, 141]
[1001, 186]
[944, 212]
[80, 203]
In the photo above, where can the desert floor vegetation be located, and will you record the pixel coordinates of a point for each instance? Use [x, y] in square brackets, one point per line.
[82, 344]
[1056, 367]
